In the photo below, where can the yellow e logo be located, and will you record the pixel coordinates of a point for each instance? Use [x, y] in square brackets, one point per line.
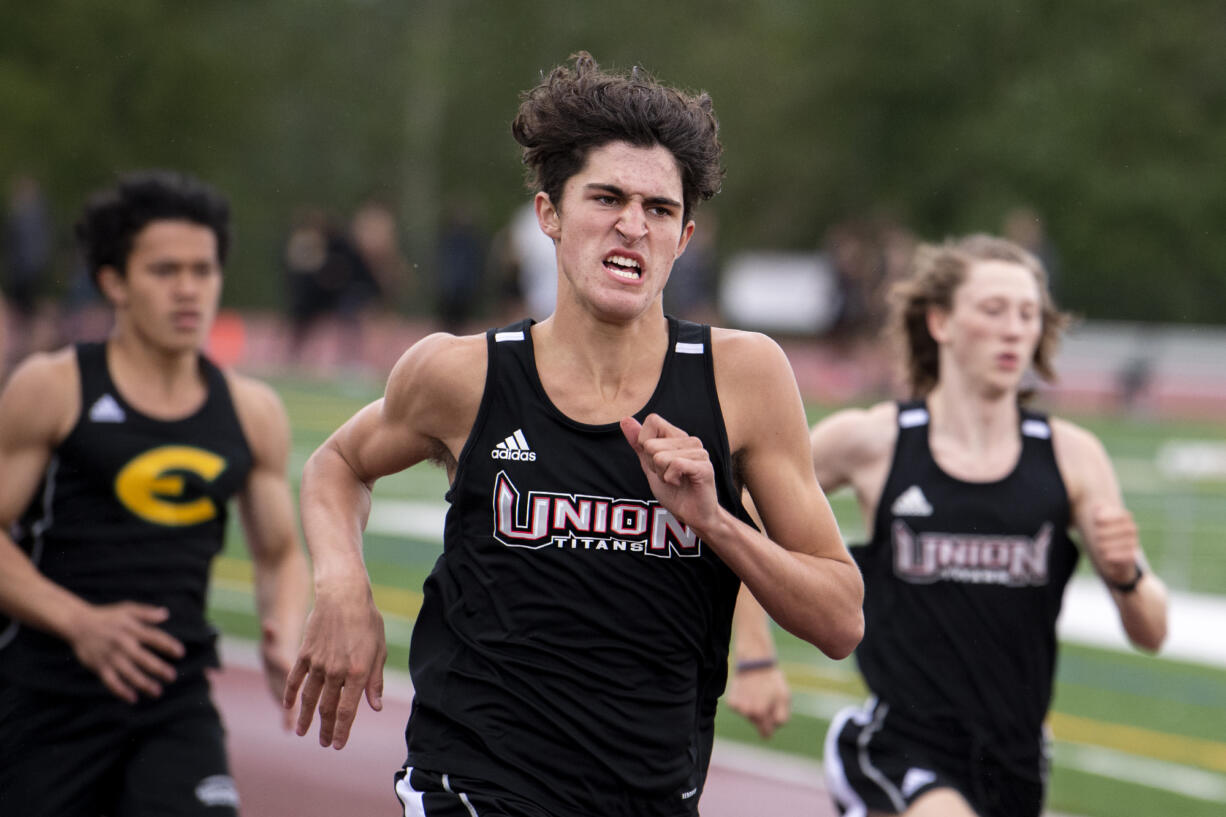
[145, 487]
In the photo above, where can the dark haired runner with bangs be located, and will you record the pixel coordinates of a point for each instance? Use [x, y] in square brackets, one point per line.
[573, 638]
[117, 462]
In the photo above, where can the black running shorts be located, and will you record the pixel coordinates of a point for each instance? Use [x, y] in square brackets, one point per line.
[434, 794]
[71, 756]
[871, 766]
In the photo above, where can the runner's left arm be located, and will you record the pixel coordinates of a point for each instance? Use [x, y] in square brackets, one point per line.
[1110, 535]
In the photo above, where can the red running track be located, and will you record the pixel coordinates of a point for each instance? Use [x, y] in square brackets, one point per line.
[282, 775]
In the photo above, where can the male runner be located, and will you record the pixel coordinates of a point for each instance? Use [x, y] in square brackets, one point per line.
[573, 638]
[969, 498]
[117, 460]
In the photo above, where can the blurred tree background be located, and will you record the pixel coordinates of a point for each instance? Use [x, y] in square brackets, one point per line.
[1108, 117]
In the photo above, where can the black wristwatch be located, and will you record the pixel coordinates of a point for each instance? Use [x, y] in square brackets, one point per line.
[1129, 586]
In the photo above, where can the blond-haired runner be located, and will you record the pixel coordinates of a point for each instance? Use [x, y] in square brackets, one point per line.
[969, 498]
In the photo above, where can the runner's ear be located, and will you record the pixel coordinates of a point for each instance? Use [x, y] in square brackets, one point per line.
[548, 217]
[937, 318]
[111, 283]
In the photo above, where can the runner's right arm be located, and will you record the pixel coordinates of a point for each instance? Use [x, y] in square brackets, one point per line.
[120, 643]
[853, 447]
[425, 414]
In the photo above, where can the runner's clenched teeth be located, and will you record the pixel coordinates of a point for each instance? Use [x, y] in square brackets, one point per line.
[623, 267]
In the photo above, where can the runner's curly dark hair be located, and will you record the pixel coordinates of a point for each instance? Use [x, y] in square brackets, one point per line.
[574, 110]
[113, 217]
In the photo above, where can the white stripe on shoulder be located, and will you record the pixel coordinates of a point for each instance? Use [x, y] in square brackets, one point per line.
[912, 418]
[689, 348]
[1036, 428]
[502, 337]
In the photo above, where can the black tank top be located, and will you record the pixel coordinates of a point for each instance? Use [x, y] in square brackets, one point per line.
[573, 638]
[130, 509]
[964, 581]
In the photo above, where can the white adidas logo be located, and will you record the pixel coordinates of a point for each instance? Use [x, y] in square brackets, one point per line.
[911, 502]
[106, 410]
[514, 447]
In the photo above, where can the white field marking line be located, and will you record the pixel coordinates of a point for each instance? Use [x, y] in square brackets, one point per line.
[1156, 774]
[1195, 623]
[406, 517]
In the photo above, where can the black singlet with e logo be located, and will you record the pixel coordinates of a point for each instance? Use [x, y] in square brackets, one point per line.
[573, 638]
[130, 509]
[964, 581]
